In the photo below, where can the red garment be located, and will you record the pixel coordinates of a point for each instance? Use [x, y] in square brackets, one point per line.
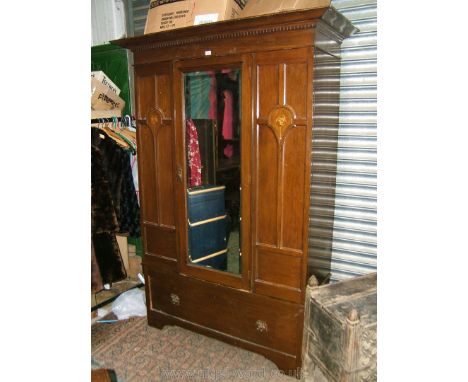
[228, 114]
[193, 155]
[229, 150]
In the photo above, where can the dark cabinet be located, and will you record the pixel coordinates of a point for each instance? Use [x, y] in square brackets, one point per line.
[230, 105]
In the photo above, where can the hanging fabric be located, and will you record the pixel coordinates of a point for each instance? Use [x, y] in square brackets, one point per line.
[228, 115]
[228, 150]
[114, 203]
[134, 167]
[104, 224]
[96, 279]
[131, 135]
[200, 86]
[109, 259]
[212, 112]
[193, 153]
[116, 163]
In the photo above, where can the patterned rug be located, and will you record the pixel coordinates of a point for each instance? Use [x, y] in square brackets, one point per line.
[139, 353]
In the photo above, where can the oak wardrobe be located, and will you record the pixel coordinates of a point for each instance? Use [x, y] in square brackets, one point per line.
[225, 122]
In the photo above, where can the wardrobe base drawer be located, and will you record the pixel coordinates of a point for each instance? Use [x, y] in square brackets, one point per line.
[271, 323]
[288, 363]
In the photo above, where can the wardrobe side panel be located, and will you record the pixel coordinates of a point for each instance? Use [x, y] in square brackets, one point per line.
[146, 151]
[281, 150]
[165, 153]
[156, 159]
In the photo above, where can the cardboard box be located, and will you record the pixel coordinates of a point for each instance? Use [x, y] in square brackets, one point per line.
[103, 79]
[171, 14]
[262, 7]
[103, 98]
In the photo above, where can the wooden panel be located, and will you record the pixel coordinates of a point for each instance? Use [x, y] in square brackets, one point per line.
[294, 156]
[267, 85]
[146, 97]
[163, 90]
[296, 88]
[155, 145]
[163, 264]
[278, 291]
[160, 241]
[235, 313]
[146, 151]
[278, 268]
[164, 153]
[267, 186]
[281, 150]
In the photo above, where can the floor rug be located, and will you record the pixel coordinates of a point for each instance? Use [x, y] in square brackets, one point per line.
[139, 353]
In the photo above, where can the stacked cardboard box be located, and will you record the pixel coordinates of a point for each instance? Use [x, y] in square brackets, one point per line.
[261, 7]
[171, 14]
[134, 263]
[104, 93]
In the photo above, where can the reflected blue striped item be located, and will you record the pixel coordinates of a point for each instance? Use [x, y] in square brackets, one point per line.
[199, 85]
[207, 226]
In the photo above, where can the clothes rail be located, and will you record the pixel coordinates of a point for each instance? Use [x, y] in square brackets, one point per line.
[103, 120]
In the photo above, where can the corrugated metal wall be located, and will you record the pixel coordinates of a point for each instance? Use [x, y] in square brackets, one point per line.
[344, 220]
[354, 247]
[107, 21]
[137, 11]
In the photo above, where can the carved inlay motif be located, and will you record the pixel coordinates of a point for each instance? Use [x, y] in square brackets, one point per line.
[262, 326]
[154, 118]
[280, 119]
[175, 300]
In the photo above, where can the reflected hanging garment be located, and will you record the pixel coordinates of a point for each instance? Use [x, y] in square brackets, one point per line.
[202, 91]
[228, 110]
[193, 154]
[212, 112]
[228, 150]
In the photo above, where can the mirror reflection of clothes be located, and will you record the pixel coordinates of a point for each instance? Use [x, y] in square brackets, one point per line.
[202, 90]
[193, 155]
[228, 114]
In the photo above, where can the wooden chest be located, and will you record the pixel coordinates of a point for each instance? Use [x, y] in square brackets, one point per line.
[340, 331]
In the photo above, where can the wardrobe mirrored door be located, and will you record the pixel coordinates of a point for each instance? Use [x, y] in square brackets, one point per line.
[213, 167]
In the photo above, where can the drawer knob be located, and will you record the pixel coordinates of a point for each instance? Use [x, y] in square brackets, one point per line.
[262, 326]
[175, 300]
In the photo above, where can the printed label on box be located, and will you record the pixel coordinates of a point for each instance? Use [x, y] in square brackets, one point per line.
[207, 18]
[169, 20]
